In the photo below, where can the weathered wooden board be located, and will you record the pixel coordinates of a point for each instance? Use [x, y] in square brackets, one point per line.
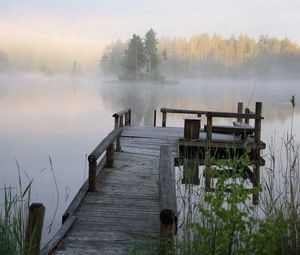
[123, 214]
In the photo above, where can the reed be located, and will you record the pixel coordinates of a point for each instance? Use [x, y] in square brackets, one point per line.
[13, 218]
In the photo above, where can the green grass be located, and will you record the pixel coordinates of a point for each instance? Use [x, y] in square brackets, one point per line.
[13, 218]
[222, 222]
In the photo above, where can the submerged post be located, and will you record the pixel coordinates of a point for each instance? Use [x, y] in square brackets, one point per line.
[154, 119]
[257, 137]
[34, 228]
[240, 110]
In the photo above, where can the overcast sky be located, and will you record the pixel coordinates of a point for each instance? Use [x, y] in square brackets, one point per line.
[106, 20]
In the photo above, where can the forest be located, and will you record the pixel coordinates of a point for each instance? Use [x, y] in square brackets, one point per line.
[205, 56]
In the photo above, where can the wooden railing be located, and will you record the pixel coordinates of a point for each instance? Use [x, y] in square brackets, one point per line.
[167, 198]
[238, 115]
[119, 116]
[106, 146]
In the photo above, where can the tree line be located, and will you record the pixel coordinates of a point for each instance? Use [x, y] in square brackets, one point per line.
[205, 56]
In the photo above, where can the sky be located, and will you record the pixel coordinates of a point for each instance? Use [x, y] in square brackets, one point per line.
[108, 20]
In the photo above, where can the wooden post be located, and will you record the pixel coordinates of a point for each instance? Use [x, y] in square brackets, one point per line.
[240, 110]
[129, 117]
[247, 111]
[257, 137]
[167, 200]
[126, 119]
[118, 143]
[154, 119]
[209, 127]
[121, 121]
[34, 228]
[164, 119]
[208, 179]
[116, 121]
[92, 173]
[110, 156]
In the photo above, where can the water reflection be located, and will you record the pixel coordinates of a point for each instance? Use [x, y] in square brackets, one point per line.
[65, 118]
[143, 98]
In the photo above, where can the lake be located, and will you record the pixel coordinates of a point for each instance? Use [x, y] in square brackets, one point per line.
[63, 118]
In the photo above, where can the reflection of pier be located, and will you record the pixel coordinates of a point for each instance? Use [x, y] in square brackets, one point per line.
[128, 203]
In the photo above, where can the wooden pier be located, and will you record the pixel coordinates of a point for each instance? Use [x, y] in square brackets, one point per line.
[128, 203]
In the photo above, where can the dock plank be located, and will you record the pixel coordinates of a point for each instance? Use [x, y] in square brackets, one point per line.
[123, 214]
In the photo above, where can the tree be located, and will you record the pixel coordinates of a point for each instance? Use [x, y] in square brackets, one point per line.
[151, 55]
[112, 58]
[134, 59]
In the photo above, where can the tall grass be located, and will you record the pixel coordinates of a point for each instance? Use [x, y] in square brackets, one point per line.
[13, 218]
[223, 222]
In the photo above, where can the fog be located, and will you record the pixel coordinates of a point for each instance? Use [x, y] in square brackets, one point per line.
[56, 101]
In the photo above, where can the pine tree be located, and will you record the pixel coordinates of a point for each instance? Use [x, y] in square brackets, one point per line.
[151, 55]
[134, 59]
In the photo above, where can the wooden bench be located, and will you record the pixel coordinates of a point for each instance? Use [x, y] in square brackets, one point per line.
[238, 128]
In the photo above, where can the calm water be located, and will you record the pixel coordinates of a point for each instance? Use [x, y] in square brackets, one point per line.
[64, 118]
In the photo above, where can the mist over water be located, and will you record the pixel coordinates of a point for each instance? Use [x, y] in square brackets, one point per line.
[65, 117]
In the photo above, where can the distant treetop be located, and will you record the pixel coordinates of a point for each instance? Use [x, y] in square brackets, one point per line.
[202, 56]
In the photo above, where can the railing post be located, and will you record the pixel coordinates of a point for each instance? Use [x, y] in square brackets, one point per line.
[118, 143]
[209, 127]
[110, 156]
[257, 137]
[121, 121]
[154, 119]
[247, 111]
[208, 179]
[92, 173]
[240, 110]
[164, 119]
[116, 121]
[34, 228]
[129, 117]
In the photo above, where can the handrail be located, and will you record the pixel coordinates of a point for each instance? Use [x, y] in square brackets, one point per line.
[119, 117]
[170, 110]
[120, 113]
[234, 115]
[107, 145]
[247, 115]
[167, 193]
[119, 123]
